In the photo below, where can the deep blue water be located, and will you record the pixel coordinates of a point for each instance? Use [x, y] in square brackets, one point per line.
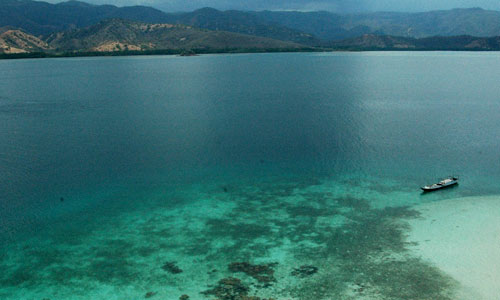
[73, 125]
[87, 128]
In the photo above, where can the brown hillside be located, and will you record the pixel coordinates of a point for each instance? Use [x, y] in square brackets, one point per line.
[16, 41]
[119, 35]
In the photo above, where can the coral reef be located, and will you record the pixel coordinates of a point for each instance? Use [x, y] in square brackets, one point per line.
[262, 273]
[229, 288]
[361, 251]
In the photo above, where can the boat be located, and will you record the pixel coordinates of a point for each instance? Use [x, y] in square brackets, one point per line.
[447, 182]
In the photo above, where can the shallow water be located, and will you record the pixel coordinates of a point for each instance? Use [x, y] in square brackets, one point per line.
[111, 167]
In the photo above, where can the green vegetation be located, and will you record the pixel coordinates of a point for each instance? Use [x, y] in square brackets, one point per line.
[454, 43]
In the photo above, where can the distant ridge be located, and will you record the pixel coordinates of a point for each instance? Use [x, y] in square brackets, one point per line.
[330, 26]
[242, 22]
[42, 18]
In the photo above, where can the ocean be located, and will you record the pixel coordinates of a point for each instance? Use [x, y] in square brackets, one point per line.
[278, 176]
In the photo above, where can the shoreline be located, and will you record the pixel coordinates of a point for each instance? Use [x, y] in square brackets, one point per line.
[179, 52]
[462, 238]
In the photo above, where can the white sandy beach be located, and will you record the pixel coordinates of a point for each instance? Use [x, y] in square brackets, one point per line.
[462, 237]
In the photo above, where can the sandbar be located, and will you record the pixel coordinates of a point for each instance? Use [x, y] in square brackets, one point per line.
[462, 238]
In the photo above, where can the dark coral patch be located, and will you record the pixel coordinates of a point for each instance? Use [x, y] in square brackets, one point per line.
[228, 289]
[262, 273]
[149, 294]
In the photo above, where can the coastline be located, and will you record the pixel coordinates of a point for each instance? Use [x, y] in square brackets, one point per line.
[193, 52]
[461, 237]
[196, 52]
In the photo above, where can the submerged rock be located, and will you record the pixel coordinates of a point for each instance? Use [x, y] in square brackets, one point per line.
[262, 273]
[184, 297]
[171, 267]
[149, 294]
[304, 271]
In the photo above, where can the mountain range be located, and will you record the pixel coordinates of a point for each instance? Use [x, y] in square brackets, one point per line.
[116, 35]
[31, 26]
[41, 18]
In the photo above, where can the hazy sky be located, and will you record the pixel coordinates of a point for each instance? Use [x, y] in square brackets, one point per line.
[330, 5]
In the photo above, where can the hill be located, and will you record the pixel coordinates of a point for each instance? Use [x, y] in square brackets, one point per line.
[123, 35]
[16, 41]
[376, 42]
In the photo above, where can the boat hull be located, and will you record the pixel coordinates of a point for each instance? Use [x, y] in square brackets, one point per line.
[440, 187]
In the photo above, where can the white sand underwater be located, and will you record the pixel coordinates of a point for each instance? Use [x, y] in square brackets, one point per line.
[462, 237]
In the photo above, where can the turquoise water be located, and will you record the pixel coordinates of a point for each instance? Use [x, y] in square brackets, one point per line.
[112, 167]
